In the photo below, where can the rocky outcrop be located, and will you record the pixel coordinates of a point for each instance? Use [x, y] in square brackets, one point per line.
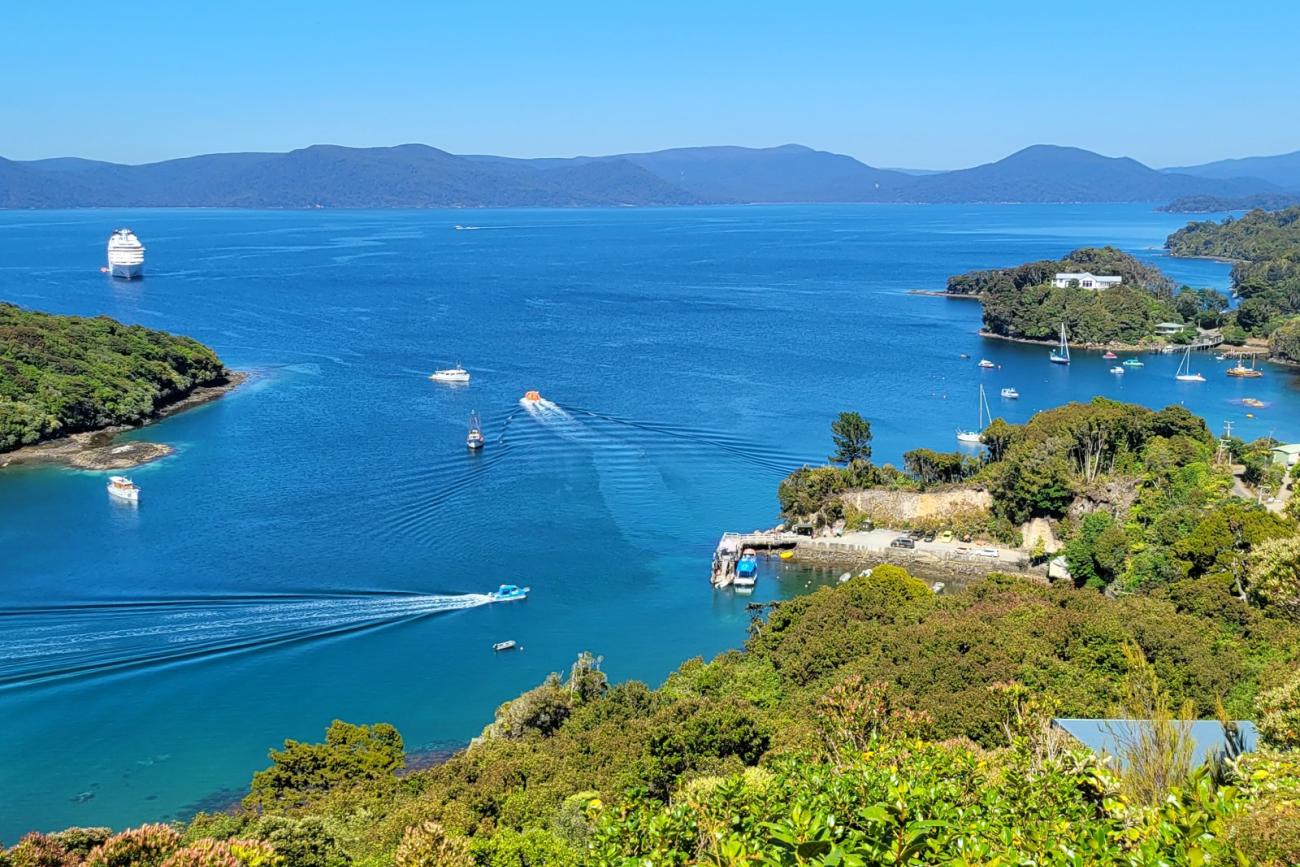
[1115, 495]
[895, 508]
[1039, 532]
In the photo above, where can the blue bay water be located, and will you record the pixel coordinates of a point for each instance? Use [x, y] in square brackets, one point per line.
[314, 547]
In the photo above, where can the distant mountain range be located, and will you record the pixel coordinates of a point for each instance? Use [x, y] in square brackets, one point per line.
[419, 176]
[1282, 170]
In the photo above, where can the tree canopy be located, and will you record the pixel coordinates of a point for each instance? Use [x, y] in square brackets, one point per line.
[65, 374]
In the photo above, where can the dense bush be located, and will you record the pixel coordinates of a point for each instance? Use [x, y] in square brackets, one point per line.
[65, 374]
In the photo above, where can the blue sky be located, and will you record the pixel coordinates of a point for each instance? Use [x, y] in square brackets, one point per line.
[937, 85]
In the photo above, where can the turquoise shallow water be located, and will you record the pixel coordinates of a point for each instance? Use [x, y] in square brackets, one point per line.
[312, 548]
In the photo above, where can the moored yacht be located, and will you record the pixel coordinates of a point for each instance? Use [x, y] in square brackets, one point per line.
[125, 255]
[1061, 355]
[1184, 373]
[451, 374]
[123, 489]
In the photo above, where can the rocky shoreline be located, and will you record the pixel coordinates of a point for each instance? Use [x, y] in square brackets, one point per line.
[1149, 346]
[96, 450]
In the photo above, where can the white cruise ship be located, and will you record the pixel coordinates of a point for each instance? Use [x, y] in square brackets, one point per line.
[125, 255]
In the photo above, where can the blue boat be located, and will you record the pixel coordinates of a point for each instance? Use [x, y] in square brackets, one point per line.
[746, 571]
[509, 593]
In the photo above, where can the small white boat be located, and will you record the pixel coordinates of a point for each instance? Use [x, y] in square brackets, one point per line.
[474, 439]
[1184, 373]
[451, 374]
[123, 488]
[1010, 393]
[973, 436]
[984, 362]
[1118, 370]
[511, 644]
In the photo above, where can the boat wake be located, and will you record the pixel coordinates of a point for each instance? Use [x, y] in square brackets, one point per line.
[45, 643]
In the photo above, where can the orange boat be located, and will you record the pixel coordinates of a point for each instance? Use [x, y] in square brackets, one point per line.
[532, 395]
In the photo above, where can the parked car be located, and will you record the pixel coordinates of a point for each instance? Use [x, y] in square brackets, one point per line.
[902, 542]
[915, 534]
[928, 537]
[987, 552]
[945, 536]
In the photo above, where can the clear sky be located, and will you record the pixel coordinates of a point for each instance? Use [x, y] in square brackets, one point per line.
[912, 84]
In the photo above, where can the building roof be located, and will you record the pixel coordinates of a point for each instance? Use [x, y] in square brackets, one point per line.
[1177, 325]
[1288, 448]
[1076, 275]
[1099, 735]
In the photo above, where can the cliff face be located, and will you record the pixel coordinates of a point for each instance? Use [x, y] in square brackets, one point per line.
[892, 508]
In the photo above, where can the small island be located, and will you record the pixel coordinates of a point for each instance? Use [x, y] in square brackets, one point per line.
[70, 384]
[1105, 297]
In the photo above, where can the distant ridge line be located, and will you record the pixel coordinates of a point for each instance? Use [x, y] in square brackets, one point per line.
[421, 176]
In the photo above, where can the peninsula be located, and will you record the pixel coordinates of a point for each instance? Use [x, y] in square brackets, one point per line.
[69, 385]
[1265, 247]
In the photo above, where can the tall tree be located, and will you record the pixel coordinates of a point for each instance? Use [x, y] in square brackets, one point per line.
[852, 435]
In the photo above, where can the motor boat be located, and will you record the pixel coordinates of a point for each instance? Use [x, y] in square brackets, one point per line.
[1110, 356]
[509, 644]
[509, 593]
[985, 363]
[532, 396]
[746, 571]
[123, 489]
[451, 374]
[474, 439]
[1117, 370]
[1133, 362]
[1010, 393]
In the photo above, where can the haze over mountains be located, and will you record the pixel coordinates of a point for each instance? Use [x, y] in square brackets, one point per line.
[418, 176]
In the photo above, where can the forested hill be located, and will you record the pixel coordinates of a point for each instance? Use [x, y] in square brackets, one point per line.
[1022, 303]
[66, 374]
[1257, 236]
[419, 176]
[1266, 277]
[1218, 204]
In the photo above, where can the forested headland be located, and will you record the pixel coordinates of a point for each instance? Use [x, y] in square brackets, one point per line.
[1021, 302]
[1265, 246]
[873, 723]
[61, 375]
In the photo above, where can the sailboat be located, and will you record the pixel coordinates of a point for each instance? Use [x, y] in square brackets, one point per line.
[1184, 373]
[1242, 371]
[973, 436]
[474, 440]
[1061, 355]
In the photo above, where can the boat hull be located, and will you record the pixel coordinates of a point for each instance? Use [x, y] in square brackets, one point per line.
[1056, 360]
[129, 496]
[126, 272]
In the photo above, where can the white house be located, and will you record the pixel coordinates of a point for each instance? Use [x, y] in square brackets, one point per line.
[1085, 280]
